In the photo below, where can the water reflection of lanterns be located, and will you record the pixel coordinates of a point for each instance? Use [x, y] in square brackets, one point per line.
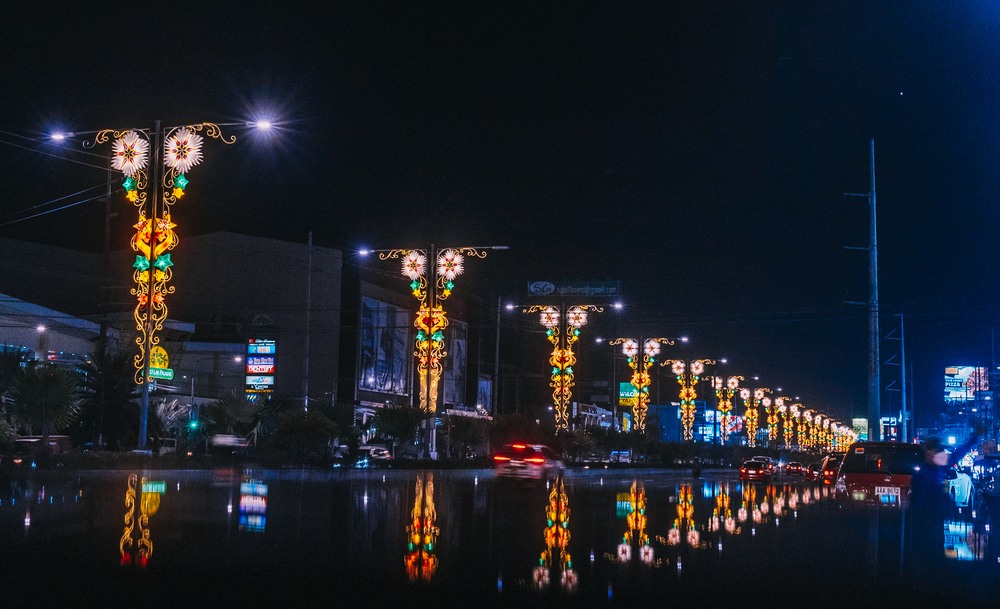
[136, 544]
[683, 525]
[422, 532]
[556, 535]
[634, 506]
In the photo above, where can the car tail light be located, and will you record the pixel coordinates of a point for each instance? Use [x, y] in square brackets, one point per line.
[500, 458]
[743, 469]
[519, 446]
[535, 460]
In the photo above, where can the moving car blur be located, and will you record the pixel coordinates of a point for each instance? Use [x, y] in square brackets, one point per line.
[530, 461]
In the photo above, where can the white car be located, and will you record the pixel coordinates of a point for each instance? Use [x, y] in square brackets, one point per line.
[960, 487]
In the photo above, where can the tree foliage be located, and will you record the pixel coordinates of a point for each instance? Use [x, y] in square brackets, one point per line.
[46, 399]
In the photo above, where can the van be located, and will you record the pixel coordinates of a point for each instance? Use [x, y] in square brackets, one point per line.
[878, 473]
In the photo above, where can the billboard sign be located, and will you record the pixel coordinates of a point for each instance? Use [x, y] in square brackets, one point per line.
[627, 394]
[962, 382]
[261, 355]
[574, 288]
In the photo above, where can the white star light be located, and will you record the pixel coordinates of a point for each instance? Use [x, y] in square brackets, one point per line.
[182, 150]
[130, 153]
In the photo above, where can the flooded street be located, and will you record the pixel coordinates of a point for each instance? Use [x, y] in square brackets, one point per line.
[269, 538]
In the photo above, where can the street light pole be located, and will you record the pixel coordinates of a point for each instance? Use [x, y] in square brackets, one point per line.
[562, 328]
[432, 274]
[688, 373]
[175, 150]
[640, 371]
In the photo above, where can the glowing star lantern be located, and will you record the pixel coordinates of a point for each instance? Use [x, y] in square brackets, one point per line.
[182, 150]
[688, 373]
[576, 317]
[414, 265]
[640, 372]
[450, 264]
[129, 155]
[549, 317]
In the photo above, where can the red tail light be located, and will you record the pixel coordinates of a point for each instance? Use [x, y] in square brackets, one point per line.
[743, 469]
[501, 458]
[535, 460]
[519, 446]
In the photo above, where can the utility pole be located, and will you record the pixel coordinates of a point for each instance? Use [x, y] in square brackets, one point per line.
[874, 374]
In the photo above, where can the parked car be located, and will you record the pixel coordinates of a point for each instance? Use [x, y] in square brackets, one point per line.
[530, 461]
[794, 468]
[756, 471]
[960, 487]
[878, 473]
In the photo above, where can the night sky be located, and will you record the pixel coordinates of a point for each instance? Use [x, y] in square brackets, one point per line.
[698, 152]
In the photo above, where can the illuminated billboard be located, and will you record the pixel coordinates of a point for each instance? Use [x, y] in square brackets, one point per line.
[962, 382]
[261, 353]
[386, 352]
[627, 394]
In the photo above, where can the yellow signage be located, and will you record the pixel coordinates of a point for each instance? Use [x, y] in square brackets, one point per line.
[158, 358]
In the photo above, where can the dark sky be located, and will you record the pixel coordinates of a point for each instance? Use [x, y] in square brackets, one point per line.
[698, 152]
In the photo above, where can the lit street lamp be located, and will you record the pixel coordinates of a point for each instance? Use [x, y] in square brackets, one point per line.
[562, 328]
[752, 399]
[431, 284]
[175, 150]
[725, 391]
[688, 372]
[640, 371]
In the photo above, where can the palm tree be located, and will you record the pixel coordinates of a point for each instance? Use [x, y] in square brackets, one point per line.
[109, 411]
[12, 359]
[398, 424]
[45, 398]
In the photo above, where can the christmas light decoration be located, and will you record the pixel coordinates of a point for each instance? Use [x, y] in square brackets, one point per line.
[725, 391]
[556, 535]
[129, 155]
[687, 372]
[154, 236]
[422, 532]
[640, 371]
[135, 545]
[182, 150]
[562, 329]
[431, 320]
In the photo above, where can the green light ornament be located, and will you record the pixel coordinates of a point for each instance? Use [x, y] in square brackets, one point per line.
[163, 262]
[421, 337]
[414, 285]
[437, 336]
[450, 285]
[181, 181]
[141, 263]
[129, 183]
